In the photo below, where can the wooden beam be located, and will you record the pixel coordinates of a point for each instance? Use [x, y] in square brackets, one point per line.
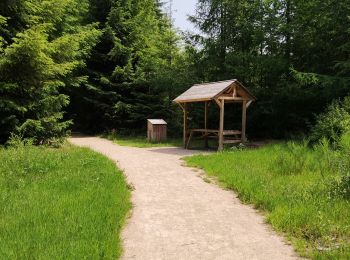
[234, 91]
[181, 105]
[189, 140]
[232, 132]
[249, 103]
[193, 100]
[232, 141]
[206, 122]
[221, 129]
[205, 115]
[185, 125]
[218, 102]
[231, 98]
[244, 120]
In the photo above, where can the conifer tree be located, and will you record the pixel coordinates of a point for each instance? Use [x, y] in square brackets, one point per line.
[127, 78]
[292, 54]
[42, 58]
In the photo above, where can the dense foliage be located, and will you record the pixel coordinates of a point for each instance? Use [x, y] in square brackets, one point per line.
[332, 124]
[109, 65]
[133, 70]
[43, 46]
[293, 54]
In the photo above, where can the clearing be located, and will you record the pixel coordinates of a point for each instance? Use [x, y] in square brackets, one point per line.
[177, 215]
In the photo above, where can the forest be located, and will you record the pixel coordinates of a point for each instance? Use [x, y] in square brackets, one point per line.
[95, 66]
[75, 73]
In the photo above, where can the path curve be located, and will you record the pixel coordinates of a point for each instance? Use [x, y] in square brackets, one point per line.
[177, 215]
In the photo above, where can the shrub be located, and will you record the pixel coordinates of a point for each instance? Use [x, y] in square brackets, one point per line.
[333, 123]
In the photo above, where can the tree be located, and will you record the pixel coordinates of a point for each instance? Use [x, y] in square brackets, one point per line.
[130, 70]
[291, 53]
[40, 60]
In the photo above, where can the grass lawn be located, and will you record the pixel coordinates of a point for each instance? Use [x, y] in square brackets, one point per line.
[293, 187]
[66, 203]
[141, 141]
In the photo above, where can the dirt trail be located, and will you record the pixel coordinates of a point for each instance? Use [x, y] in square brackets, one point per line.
[177, 215]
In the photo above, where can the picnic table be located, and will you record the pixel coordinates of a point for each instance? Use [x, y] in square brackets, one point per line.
[214, 133]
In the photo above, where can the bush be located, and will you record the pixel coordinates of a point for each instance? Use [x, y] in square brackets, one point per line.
[333, 123]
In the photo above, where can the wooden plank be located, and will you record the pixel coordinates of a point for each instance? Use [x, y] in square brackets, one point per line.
[232, 132]
[205, 115]
[244, 120]
[192, 100]
[233, 98]
[221, 129]
[182, 106]
[205, 130]
[218, 102]
[189, 140]
[185, 125]
[249, 103]
[182, 102]
[233, 141]
[206, 123]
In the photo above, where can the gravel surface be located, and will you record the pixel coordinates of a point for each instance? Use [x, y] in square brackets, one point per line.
[177, 215]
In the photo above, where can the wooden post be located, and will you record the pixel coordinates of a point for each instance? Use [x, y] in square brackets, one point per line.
[185, 125]
[221, 130]
[244, 120]
[206, 122]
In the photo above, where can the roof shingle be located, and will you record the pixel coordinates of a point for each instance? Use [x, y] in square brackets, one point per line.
[206, 91]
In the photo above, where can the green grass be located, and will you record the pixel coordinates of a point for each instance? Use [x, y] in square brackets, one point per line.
[66, 203]
[142, 142]
[293, 185]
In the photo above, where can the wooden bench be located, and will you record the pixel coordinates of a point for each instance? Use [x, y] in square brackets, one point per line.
[214, 133]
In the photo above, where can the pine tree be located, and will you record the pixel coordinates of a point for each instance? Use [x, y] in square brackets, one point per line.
[37, 63]
[128, 70]
[292, 54]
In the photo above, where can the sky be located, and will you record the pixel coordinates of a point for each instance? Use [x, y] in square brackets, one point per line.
[181, 9]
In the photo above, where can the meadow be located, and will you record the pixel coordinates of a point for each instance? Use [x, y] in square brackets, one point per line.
[303, 191]
[66, 203]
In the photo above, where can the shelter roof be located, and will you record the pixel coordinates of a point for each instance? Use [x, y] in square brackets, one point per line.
[212, 90]
[157, 121]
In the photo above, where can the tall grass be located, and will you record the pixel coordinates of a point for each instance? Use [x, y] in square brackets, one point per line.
[303, 191]
[67, 203]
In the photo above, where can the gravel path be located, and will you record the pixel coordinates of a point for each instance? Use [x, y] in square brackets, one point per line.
[177, 215]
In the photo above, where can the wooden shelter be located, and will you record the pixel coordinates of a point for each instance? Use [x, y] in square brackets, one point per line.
[156, 130]
[221, 93]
